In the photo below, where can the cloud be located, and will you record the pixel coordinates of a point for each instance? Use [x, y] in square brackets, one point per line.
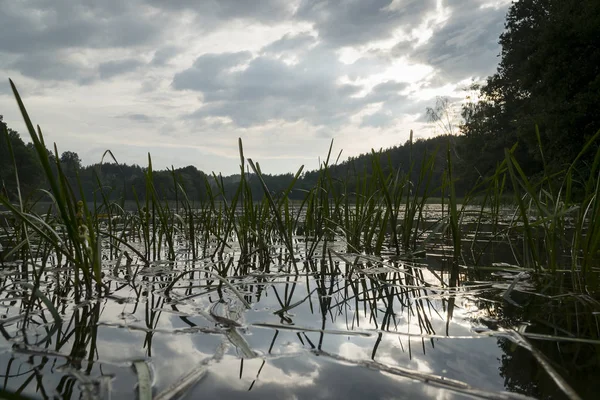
[252, 90]
[466, 44]
[310, 376]
[210, 73]
[264, 11]
[291, 43]
[377, 120]
[31, 26]
[50, 66]
[355, 22]
[65, 41]
[5, 88]
[386, 91]
[286, 74]
[109, 69]
[61, 66]
[163, 55]
[137, 117]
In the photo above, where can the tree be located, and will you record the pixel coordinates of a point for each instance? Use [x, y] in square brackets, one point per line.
[27, 162]
[549, 76]
[70, 161]
[443, 115]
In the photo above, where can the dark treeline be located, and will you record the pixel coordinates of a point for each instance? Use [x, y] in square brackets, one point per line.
[128, 182]
[546, 91]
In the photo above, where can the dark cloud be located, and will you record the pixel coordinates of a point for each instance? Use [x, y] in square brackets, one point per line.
[30, 26]
[467, 44]
[137, 117]
[109, 69]
[408, 105]
[352, 22]
[377, 120]
[50, 66]
[402, 48]
[395, 101]
[252, 91]
[163, 55]
[211, 73]
[263, 11]
[366, 66]
[58, 66]
[291, 42]
[5, 88]
[45, 37]
[386, 91]
[347, 90]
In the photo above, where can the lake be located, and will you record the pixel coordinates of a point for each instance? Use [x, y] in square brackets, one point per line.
[329, 323]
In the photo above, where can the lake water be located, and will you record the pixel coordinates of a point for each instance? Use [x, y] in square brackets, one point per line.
[340, 325]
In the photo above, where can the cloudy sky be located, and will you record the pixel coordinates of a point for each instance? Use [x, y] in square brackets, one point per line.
[183, 79]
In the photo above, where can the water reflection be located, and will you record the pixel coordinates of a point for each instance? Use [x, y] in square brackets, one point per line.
[345, 326]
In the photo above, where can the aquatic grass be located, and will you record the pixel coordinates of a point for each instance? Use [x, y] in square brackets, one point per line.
[189, 220]
[81, 243]
[20, 232]
[552, 222]
[252, 221]
[36, 293]
[227, 215]
[586, 239]
[319, 222]
[415, 201]
[246, 220]
[161, 213]
[9, 395]
[490, 211]
[453, 220]
[361, 214]
[392, 188]
[210, 220]
[284, 224]
[219, 276]
[143, 373]
[404, 199]
[415, 195]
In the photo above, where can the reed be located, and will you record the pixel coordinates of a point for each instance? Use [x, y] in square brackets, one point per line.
[77, 241]
[557, 230]
[380, 212]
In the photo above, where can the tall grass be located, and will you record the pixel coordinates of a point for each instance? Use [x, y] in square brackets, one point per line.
[558, 215]
[76, 241]
[381, 211]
